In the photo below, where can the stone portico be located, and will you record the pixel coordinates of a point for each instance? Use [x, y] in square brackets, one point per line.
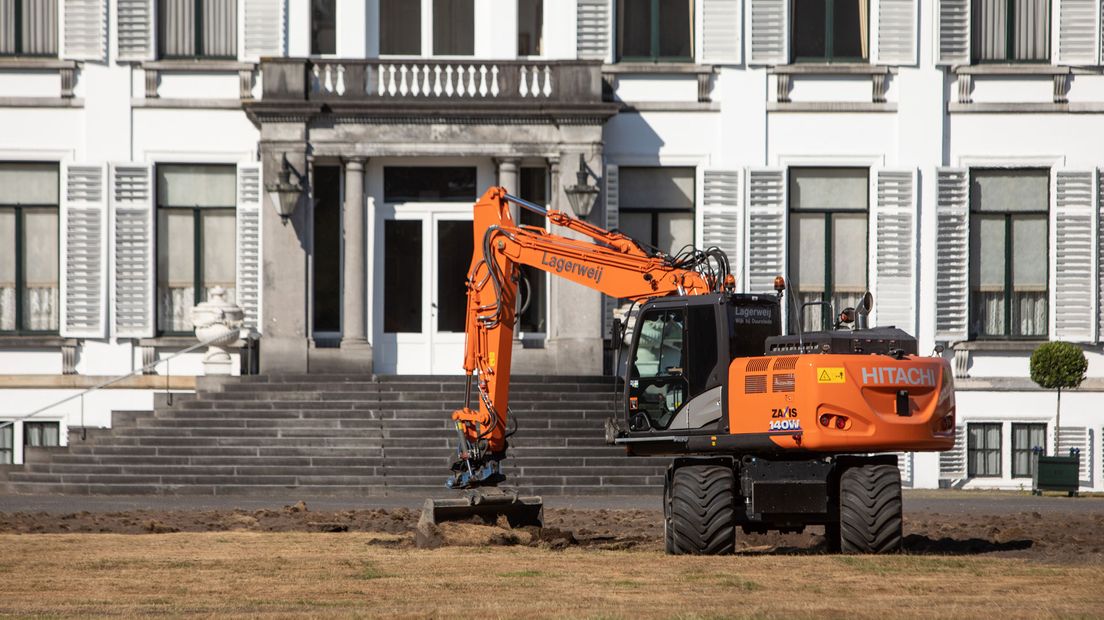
[348, 117]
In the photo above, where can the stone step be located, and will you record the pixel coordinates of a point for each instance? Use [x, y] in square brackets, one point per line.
[243, 422]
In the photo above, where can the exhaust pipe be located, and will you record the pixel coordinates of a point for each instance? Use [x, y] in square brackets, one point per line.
[862, 312]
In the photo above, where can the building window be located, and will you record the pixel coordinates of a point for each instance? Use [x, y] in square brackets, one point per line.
[402, 274]
[1011, 30]
[28, 28]
[828, 241]
[1008, 253]
[530, 27]
[195, 239]
[198, 28]
[323, 27]
[429, 184]
[657, 207]
[831, 30]
[655, 30]
[983, 450]
[28, 248]
[7, 444]
[42, 434]
[453, 27]
[1025, 438]
[534, 315]
[400, 27]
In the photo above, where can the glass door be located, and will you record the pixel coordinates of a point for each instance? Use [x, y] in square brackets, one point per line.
[452, 246]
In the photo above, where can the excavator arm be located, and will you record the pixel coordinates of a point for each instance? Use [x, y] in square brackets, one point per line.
[606, 261]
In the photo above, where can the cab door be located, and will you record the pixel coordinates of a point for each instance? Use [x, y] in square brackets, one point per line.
[657, 387]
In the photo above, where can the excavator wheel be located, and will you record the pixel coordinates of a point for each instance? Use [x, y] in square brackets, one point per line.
[703, 514]
[869, 510]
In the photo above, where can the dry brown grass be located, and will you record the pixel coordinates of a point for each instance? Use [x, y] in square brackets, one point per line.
[305, 574]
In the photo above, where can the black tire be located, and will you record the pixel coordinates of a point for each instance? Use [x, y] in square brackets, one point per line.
[870, 509]
[703, 512]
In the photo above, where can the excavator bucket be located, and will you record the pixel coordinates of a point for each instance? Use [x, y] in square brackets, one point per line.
[489, 506]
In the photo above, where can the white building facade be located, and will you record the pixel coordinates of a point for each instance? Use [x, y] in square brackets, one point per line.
[940, 153]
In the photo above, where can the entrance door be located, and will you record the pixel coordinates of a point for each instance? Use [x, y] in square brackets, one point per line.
[422, 267]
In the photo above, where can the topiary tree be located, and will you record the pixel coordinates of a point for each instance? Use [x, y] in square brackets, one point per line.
[1058, 365]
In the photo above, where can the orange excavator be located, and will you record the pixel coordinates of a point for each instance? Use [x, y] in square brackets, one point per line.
[768, 431]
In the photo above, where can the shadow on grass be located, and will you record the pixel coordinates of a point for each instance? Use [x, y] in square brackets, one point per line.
[912, 544]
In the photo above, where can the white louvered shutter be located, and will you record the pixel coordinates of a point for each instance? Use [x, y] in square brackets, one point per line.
[904, 463]
[954, 32]
[721, 215]
[1073, 293]
[721, 32]
[952, 254]
[897, 21]
[765, 248]
[133, 240]
[893, 231]
[768, 26]
[1078, 437]
[952, 463]
[1078, 31]
[135, 29]
[84, 30]
[262, 29]
[592, 30]
[83, 255]
[1100, 252]
[612, 204]
[249, 243]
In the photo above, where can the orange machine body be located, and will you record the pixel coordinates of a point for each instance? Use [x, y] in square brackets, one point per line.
[835, 403]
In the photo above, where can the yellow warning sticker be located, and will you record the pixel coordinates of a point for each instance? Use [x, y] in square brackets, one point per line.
[831, 375]
[491, 356]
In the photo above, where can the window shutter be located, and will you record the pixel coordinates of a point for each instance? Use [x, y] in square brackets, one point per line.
[769, 19]
[135, 29]
[135, 260]
[83, 261]
[721, 32]
[766, 229]
[592, 30]
[904, 463]
[952, 251]
[1078, 437]
[1073, 294]
[612, 203]
[84, 33]
[893, 227]
[952, 463]
[954, 32]
[721, 217]
[897, 32]
[249, 242]
[1078, 28]
[263, 29]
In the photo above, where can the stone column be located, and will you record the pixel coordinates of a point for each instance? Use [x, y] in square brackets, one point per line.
[508, 178]
[353, 314]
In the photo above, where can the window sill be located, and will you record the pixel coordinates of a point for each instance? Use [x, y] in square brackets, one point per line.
[998, 345]
[857, 68]
[197, 65]
[666, 68]
[45, 341]
[33, 63]
[1014, 69]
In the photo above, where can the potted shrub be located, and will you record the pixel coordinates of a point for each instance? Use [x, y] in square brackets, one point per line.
[1057, 366]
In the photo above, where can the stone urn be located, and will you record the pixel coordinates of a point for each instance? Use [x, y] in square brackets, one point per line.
[219, 323]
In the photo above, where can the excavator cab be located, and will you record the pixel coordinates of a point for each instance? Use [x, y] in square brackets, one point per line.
[680, 353]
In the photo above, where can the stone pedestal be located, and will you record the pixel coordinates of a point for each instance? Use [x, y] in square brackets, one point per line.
[217, 322]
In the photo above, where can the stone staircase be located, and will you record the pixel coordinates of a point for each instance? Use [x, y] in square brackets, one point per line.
[338, 435]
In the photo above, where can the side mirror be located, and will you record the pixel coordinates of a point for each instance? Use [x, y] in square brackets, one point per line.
[615, 335]
[847, 315]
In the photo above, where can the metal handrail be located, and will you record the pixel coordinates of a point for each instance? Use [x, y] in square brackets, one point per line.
[115, 380]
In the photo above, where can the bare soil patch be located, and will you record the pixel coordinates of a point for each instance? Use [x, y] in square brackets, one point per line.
[1065, 538]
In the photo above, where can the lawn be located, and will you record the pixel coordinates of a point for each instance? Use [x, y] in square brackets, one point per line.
[296, 574]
